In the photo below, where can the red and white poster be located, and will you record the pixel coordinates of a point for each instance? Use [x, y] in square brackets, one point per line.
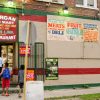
[22, 50]
[8, 27]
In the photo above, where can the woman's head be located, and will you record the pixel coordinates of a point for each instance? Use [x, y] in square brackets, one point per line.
[6, 64]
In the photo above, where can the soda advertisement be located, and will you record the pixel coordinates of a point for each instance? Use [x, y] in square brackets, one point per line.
[51, 68]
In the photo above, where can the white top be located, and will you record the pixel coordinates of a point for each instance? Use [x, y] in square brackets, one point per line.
[1, 62]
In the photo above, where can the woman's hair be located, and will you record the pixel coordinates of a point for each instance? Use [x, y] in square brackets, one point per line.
[6, 64]
[22, 67]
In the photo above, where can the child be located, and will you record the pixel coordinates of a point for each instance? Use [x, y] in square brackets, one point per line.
[21, 79]
[5, 79]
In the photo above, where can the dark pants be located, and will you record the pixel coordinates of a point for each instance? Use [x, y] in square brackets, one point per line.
[0, 69]
[0, 72]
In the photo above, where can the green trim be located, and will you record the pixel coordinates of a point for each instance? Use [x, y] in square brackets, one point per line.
[38, 12]
[56, 87]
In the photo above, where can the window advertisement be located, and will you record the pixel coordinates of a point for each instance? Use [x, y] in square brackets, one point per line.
[66, 29]
[30, 75]
[8, 27]
[51, 68]
[22, 50]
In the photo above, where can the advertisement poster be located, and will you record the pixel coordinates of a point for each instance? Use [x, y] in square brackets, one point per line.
[30, 75]
[64, 29]
[51, 68]
[8, 27]
[22, 50]
[90, 32]
[55, 30]
[74, 31]
[34, 90]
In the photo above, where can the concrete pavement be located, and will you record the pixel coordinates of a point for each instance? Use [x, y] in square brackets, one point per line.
[71, 92]
[57, 93]
[12, 96]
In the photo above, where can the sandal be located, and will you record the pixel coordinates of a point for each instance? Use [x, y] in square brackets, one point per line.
[7, 94]
[3, 94]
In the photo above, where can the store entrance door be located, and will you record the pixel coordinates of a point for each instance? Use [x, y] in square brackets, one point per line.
[7, 54]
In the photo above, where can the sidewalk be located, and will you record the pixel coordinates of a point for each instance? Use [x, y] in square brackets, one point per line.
[71, 92]
[55, 93]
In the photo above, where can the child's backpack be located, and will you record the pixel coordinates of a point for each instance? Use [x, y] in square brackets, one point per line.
[6, 73]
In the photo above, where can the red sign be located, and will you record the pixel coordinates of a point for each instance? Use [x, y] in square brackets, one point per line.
[30, 75]
[22, 50]
[8, 26]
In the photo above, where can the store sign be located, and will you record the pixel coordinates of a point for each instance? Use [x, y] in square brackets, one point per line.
[30, 75]
[8, 26]
[54, 1]
[51, 69]
[22, 50]
[64, 29]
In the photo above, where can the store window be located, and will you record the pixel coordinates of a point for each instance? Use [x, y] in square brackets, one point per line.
[7, 54]
[92, 4]
[54, 1]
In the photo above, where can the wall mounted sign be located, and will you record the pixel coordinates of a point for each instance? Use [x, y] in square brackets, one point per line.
[8, 27]
[51, 68]
[90, 32]
[64, 29]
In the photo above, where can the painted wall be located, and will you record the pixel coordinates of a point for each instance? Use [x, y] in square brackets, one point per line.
[78, 62]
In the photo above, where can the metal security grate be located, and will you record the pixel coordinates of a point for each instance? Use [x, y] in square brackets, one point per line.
[39, 61]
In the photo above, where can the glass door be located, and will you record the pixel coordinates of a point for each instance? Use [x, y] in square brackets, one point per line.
[7, 54]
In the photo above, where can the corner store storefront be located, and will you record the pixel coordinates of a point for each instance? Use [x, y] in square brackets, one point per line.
[72, 67]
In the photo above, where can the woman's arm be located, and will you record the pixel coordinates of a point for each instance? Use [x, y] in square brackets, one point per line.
[2, 71]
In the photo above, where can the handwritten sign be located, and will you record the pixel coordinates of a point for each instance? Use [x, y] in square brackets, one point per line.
[90, 32]
[64, 29]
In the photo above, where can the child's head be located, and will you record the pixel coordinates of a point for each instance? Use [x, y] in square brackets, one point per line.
[6, 64]
[22, 67]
